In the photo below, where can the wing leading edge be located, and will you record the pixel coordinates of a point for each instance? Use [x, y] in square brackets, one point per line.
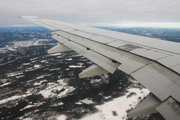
[155, 63]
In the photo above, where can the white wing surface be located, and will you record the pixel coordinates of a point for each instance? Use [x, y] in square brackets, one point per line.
[154, 63]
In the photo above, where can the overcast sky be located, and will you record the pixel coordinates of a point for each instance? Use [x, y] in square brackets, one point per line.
[93, 12]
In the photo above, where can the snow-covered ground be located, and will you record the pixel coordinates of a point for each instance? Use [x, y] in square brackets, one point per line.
[86, 101]
[47, 92]
[118, 105]
[39, 83]
[5, 84]
[111, 110]
[56, 54]
[14, 73]
[12, 46]
[75, 66]
[13, 98]
[36, 66]
[54, 88]
[115, 109]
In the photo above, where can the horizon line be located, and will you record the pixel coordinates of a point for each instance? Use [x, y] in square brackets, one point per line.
[117, 24]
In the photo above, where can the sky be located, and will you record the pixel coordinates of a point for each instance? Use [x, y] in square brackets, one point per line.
[94, 12]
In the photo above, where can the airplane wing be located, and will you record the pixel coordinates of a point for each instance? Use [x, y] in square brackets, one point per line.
[154, 63]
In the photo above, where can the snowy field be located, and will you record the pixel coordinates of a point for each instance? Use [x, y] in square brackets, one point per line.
[13, 46]
[112, 110]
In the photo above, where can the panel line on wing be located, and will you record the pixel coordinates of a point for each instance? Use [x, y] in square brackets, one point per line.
[112, 53]
[112, 63]
[71, 36]
[102, 61]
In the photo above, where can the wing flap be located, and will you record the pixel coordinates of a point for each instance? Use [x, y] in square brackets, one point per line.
[169, 109]
[154, 76]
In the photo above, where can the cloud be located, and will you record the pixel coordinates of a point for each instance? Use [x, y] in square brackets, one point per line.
[92, 11]
[150, 24]
[21, 25]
